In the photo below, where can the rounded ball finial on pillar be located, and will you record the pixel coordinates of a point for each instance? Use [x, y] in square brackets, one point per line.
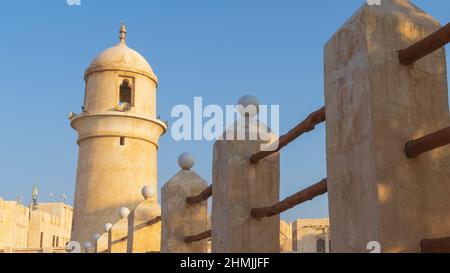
[107, 227]
[247, 101]
[148, 192]
[124, 212]
[186, 161]
[87, 245]
[96, 237]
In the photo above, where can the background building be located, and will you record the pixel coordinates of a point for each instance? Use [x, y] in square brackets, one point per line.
[50, 225]
[285, 237]
[311, 236]
[14, 224]
[34, 228]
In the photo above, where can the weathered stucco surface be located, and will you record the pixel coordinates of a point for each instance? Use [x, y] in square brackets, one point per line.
[238, 187]
[24, 229]
[307, 234]
[374, 105]
[179, 219]
[143, 237]
[117, 147]
[101, 246]
[118, 237]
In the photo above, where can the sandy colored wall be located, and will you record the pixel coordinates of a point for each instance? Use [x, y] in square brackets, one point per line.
[374, 106]
[307, 232]
[13, 224]
[238, 187]
[21, 228]
[144, 229]
[111, 175]
[118, 237]
[285, 237]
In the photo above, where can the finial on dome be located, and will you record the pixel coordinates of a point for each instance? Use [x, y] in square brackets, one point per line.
[123, 33]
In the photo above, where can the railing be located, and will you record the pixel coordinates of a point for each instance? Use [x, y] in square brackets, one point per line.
[292, 201]
[303, 127]
[154, 221]
[415, 148]
[425, 46]
[408, 56]
[308, 194]
[203, 196]
[441, 138]
[441, 245]
[199, 237]
[192, 200]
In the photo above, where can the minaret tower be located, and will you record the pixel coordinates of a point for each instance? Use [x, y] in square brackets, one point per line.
[118, 138]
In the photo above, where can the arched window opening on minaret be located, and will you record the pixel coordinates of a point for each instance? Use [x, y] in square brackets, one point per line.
[126, 95]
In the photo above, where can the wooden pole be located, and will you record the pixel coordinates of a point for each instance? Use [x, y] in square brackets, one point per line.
[438, 139]
[149, 223]
[154, 221]
[292, 201]
[303, 127]
[441, 245]
[425, 46]
[203, 196]
[198, 237]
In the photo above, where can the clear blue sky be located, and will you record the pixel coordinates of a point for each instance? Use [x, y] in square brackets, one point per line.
[219, 50]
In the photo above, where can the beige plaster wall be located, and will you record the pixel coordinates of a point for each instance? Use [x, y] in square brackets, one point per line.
[307, 232]
[111, 175]
[285, 236]
[180, 219]
[238, 187]
[102, 243]
[50, 225]
[118, 237]
[142, 236]
[374, 105]
[13, 224]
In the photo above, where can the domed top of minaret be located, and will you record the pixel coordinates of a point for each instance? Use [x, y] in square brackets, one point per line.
[122, 58]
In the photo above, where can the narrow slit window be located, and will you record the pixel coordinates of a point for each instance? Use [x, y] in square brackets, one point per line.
[42, 240]
[122, 141]
[125, 93]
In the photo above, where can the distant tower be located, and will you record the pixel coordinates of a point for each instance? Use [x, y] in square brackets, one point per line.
[118, 138]
[34, 197]
[19, 199]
